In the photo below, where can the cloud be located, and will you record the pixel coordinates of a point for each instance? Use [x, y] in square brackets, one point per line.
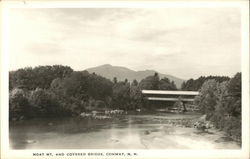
[185, 42]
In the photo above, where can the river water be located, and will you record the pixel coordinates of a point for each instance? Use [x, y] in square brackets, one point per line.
[155, 131]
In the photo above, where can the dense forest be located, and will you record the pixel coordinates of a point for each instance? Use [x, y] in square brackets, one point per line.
[221, 102]
[57, 90]
[195, 85]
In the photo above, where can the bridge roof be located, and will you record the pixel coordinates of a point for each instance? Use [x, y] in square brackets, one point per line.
[194, 93]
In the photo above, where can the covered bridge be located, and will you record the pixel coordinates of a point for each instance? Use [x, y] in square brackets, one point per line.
[163, 95]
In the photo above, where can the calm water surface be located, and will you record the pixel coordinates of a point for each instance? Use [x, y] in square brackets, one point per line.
[155, 131]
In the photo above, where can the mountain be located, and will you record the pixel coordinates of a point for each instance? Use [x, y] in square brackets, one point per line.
[121, 73]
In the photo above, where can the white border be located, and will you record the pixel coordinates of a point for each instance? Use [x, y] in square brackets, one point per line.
[234, 154]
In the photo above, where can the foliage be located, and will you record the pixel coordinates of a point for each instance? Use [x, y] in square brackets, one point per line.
[76, 85]
[80, 89]
[166, 84]
[19, 106]
[155, 83]
[121, 95]
[150, 82]
[41, 76]
[58, 88]
[179, 105]
[195, 85]
[135, 96]
[99, 87]
[207, 98]
[221, 102]
[44, 103]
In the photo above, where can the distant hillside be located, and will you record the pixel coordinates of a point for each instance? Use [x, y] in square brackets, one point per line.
[122, 73]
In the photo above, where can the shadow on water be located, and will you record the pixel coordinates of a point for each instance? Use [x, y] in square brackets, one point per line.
[203, 132]
[224, 139]
[24, 133]
[118, 132]
[20, 140]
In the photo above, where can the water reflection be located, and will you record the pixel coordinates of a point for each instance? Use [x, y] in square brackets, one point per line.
[123, 132]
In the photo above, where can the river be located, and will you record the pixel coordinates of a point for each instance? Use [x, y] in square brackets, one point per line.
[151, 131]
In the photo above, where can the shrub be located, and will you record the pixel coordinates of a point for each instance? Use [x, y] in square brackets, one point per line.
[44, 103]
[19, 106]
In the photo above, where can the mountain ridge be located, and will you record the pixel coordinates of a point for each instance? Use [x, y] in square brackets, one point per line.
[121, 73]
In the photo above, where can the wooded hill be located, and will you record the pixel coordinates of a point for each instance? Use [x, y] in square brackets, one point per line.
[122, 73]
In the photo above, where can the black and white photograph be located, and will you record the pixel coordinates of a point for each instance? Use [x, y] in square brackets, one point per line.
[125, 78]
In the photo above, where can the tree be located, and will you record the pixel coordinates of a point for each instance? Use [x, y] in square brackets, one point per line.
[40, 76]
[234, 91]
[76, 85]
[220, 108]
[121, 95]
[115, 80]
[135, 96]
[165, 84]
[126, 80]
[221, 102]
[44, 103]
[19, 106]
[195, 85]
[80, 89]
[208, 97]
[183, 85]
[135, 83]
[150, 82]
[22, 78]
[99, 87]
[189, 85]
[57, 86]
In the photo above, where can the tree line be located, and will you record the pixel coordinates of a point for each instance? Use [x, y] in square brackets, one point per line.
[195, 84]
[52, 91]
[221, 103]
[220, 100]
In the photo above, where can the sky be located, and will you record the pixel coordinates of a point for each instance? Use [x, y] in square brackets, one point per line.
[183, 42]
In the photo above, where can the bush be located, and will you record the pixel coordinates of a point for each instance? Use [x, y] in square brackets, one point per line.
[44, 103]
[19, 106]
[233, 127]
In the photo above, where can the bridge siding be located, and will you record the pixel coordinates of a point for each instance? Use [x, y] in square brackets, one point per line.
[193, 93]
[170, 99]
[162, 95]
